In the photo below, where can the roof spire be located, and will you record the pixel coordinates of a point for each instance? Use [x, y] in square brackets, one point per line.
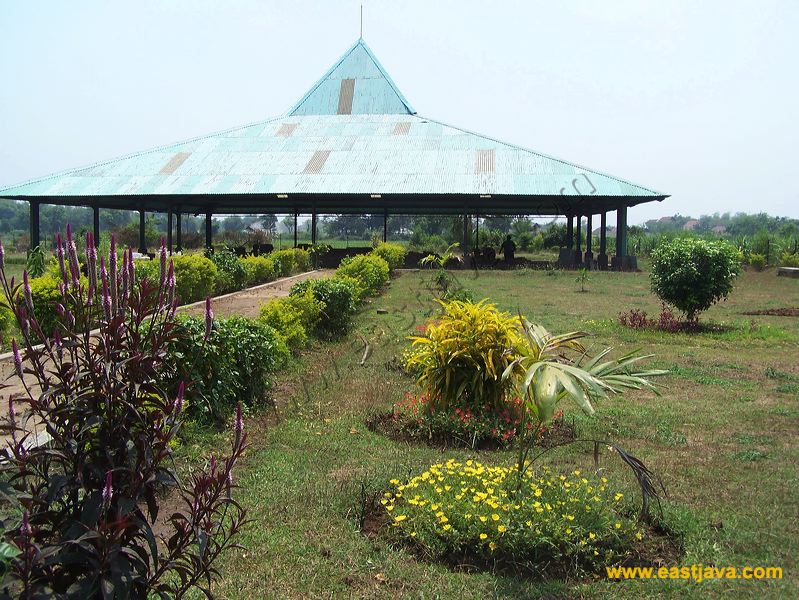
[360, 37]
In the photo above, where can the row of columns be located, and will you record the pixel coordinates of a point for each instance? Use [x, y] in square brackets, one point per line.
[176, 215]
[574, 253]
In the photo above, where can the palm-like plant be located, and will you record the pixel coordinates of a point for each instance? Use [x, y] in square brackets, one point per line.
[442, 279]
[552, 368]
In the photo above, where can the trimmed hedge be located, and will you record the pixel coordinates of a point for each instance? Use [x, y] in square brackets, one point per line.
[340, 299]
[393, 254]
[370, 270]
[293, 317]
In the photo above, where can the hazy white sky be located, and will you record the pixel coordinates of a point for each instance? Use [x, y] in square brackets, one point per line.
[695, 99]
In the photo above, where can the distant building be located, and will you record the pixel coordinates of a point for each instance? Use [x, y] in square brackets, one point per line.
[719, 229]
[690, 225]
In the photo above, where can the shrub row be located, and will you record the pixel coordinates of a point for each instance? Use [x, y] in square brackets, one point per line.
[234, 365]
[323, 308]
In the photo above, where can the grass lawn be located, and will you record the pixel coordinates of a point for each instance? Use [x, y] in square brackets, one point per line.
[723, 437]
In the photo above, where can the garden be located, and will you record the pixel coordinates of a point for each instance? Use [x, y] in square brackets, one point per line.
[383, 433]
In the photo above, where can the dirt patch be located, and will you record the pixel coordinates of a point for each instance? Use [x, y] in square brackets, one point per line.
[395, 427]
[775, 312]
[247, 303]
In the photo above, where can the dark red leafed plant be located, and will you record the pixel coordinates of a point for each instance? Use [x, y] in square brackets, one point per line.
[87, 487]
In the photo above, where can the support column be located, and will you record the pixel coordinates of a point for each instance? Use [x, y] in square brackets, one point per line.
[465, 232]
[578, 238]
[566, 255]
[313, 227]
[477, 232]
[142, 240]
[169, 230]
[602, 259]
[96, 225]
[385, 225]
[209, 230]
[179, 231]
[589, 256]
[34, 224]
[295, 229]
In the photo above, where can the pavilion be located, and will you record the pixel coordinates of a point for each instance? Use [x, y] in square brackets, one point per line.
[351, 145]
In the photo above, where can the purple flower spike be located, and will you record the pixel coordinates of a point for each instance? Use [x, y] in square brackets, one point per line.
[91, 260]
[72, 256]
[123, 299]
[230, 477]
[12, 419]
[25, 528]
[108, 489]
[131, 270]
[112, 273]
[162, 261]
[238, 428]
[178, 406]
[17, 358]
[209, 317]
[59, 250]
[26, 288]
[212, 465]
[170, 284]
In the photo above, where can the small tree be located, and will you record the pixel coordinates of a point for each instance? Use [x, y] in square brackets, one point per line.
[693, 274]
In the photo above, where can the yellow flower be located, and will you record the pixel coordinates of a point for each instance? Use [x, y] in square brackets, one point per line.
[483, 519]
[617, 525]
[618, 497]
[394, 482]
[493, 546]
[538, 492]
[390, 507]
[568, 530]
[400, 518]
[483, 536]
[591, 535]
[447, 527]
[502, 529]
[495, 517]
[444, 520]
[638, 535]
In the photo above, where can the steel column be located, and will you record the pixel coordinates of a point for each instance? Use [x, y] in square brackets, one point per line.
[96, 225]
[169, 230]
[34, 224]
[313, 227]
[209, 230]
[295, 229]
[142, 240]
[603, 232]
[569, 232]
[579, 234]
[179, 231]
[385, 225]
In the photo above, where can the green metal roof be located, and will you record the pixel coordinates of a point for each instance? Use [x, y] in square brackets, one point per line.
[352, 135]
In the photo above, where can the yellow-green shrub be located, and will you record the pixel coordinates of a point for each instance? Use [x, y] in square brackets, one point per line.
[195, 275]
[467, 508]
[393, 254]
[290, 261]
[757, 261]
[370, 270]
[356, 285]
[45, 294]
[260, 269]
[293, 317]
[462, 355]
[789, 260]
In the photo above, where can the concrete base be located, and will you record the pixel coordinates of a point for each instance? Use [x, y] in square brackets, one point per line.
[565, 256]
[602, 262]
[588, 260]
[792, 272]
[624, 263]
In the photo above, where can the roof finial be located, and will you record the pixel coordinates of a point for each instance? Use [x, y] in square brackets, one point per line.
[360, 37]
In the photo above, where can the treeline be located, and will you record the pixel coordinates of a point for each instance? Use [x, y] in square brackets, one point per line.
[738, 224]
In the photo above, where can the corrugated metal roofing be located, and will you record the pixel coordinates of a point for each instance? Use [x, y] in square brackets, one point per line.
[380, 146]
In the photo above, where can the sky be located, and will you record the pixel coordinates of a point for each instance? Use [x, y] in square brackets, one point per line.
[699, 100]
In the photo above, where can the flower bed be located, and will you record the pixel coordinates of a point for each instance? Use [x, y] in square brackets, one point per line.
[457, 510]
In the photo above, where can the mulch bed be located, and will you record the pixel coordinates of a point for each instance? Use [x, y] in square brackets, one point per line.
[395, 428]
[775, 312]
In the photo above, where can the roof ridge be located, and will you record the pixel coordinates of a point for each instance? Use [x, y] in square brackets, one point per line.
[137, 154]
[542, 155]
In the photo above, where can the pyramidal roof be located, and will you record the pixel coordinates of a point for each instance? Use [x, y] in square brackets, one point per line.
[356, 85]
[352, 137]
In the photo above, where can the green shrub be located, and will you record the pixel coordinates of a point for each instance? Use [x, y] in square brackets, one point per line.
[757, 261]
[259, 269]
[231, 275]
[357, 286]
[693, 274]
[233, 365]
[293, 317]
[340, 299]
[457, 509]
[789, 260]
[369, 269]
[462, 294]
[393, 254]
[195, 276]
[462, 355]
[45, 294]
[290, 261]
[6, 319]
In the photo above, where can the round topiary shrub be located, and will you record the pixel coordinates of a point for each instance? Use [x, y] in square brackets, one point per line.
[369, 269]
[693, 274]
